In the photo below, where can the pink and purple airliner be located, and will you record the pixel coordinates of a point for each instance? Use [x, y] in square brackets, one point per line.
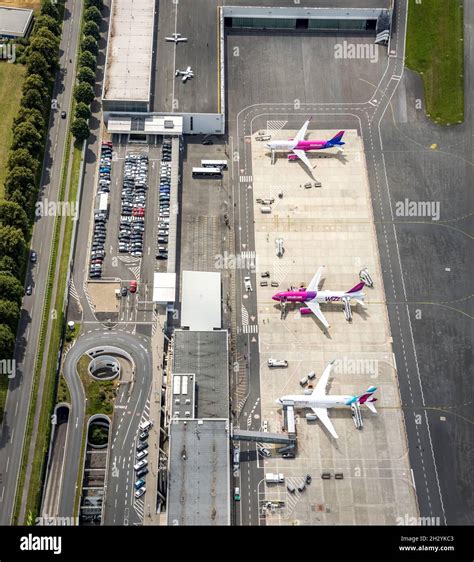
[312, 298]
[299, 146]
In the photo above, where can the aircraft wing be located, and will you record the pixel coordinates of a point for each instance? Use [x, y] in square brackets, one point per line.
[314, 306]
[322, 414]
[188, 69]
[302, 156]
[371, 406]
[302, 132]
[314, 283]
[320, 389]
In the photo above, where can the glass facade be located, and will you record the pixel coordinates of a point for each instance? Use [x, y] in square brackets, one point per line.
[337, 24]
[285, 23]
[264, 23]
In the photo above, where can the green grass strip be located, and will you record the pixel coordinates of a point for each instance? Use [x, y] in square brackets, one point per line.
[435, 49]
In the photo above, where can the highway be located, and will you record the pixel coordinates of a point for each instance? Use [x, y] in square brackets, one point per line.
[19, 395]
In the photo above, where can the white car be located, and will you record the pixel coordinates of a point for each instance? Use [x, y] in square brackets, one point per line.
[247, 284]
[139, 493]
[140, 464]
[142, 454]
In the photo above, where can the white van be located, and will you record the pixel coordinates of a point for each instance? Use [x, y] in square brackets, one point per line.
[265, 209]
[145, 426]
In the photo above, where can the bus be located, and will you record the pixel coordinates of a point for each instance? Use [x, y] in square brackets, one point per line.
[207, 173]
[222, 164]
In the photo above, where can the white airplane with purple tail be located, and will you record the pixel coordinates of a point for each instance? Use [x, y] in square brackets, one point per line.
[299, 146]
[312, 298]
[319, 401]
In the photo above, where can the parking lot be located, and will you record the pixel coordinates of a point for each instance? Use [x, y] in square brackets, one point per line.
[331, 225]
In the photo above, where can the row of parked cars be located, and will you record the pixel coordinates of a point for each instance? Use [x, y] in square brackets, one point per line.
[141, 466]
[132, 219]
[164, 197]
[100, 217]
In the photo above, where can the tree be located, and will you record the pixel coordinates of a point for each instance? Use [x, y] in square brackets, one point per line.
[12, 242]
[25, 135]
[11, 214]
[86, 74]
[49, 9]
[89, 43]
[10, 314]
[91, 28]
[20, 197]
[35, 82]
[37, 64]
[47, 46]
[99, 4]
[82, 111]
[80, 129]
[7, 342]
[49, 23]
[33, 99]
[21, 157]
[33, 116]
[9, 265]
[10, 288]
[84, 93]
[20, 178]
[92, 14]
[87, 59]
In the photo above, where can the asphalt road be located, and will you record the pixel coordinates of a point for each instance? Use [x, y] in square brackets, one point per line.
[119, 495]
[19, 395]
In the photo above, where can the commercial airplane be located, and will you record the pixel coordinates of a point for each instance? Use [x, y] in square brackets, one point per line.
[319, 401]
[176, 37]
[313, 298]
[188, 73]
[299, 146]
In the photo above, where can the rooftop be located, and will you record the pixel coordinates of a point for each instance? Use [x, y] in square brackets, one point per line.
[198, 485]
[130, 51]
[206, 355]
[201, 300]
[14, 21]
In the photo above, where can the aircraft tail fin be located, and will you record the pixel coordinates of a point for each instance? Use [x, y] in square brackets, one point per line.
[357, 287]
[336, 139]
[368, 399]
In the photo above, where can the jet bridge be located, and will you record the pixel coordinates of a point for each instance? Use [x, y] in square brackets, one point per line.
[261, 436]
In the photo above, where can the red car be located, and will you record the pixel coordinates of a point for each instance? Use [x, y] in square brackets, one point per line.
[133, 287]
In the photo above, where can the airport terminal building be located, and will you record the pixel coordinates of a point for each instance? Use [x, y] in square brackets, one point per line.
[137, 104]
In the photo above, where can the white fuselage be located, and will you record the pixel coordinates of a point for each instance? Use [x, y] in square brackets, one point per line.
[302, 401]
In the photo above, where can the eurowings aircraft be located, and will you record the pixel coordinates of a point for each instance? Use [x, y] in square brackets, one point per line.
[313, 298]
[299, 146]
[319, 401]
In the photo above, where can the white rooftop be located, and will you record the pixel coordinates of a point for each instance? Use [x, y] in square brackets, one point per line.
[201, 302]
[130, 50]
[14, 21]
[164, 287]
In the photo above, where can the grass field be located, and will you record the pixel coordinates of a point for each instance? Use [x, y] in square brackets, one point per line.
[435, 49]
[11, 80]
[30, 4]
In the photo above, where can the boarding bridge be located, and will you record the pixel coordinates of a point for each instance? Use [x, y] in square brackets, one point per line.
[261, 436]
